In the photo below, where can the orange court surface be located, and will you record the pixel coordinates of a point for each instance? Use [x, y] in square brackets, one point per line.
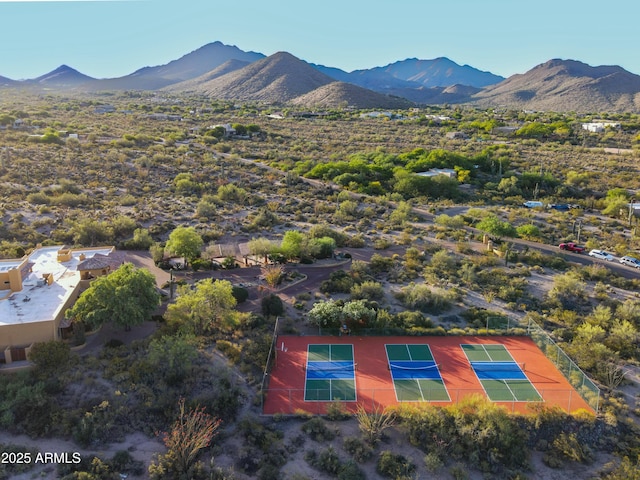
[308, 373]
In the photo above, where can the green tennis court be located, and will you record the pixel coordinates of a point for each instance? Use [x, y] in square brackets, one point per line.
[329, 353]
[330, 373]
[415, 375]
[510, 390]
[486, 353]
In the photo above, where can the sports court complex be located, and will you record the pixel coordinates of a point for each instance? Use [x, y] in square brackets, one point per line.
[310, 372]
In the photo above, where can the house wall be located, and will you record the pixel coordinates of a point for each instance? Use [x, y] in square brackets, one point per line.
[27, 333]
[11, 279]
[97, 272]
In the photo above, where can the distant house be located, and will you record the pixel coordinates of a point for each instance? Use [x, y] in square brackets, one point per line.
[105, 109]
[437, 118]
[164, 116]
[434, 172]
[598, 127]
[504, 130]
[229, 131]
[376, 115]
[457, 136]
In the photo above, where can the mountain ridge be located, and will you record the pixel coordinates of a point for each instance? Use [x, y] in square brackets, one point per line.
[225, 71]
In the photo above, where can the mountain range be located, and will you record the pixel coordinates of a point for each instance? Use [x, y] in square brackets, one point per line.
[227, 72]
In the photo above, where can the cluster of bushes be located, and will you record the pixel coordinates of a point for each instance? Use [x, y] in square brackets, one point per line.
[487, 437]
[94, 468]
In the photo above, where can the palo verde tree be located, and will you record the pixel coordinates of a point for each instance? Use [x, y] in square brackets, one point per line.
[126, 297]
[185, 242]
[496, 228]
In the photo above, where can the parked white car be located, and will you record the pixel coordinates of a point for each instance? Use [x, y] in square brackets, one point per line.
[630, 261]
[533, 204]
[602, 255]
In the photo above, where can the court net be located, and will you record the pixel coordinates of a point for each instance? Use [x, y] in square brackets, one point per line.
[498, 366]
[395, 366]
[331, 368]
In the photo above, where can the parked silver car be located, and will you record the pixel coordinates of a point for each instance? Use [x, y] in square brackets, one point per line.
[630, 261]
[602, 255]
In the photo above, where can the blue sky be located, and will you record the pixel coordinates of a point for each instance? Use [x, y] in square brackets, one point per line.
[104, 38]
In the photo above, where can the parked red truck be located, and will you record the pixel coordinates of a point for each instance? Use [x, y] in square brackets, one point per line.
[572, 247]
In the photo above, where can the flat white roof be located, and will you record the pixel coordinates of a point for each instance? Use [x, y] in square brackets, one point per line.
[38, 302]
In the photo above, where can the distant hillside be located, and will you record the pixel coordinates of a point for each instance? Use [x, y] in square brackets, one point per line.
[200, 61]
[7, 82]
[421, 81]
[341, 94]
[278, 78]
[439, 72]
[189, 66]
[192, 84]
[435, 95]
[566, 85]
[63, 76]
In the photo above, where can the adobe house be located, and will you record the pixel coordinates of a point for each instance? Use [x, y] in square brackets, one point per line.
[37, 289]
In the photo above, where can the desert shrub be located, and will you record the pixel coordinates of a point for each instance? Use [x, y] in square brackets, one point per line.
[475, 430]
[367, 290]
[425, 298]
[433, 462]
[567, 445]
[358, 449]
[373, 425]
[326, 461]
[231, 351]
[339, 282]
[240, 293]
[393, 465]
[272, 306]
[317, 429]
[50, 358]
[8, 468]
[350, 471]
[337, 411]
[329, 462]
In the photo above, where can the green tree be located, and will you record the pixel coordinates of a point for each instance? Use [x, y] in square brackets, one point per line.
[262, 247]
[292, 244]
[495, 227]
[210, 306]
[528, 231]
[126, 297]
[185, 242]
